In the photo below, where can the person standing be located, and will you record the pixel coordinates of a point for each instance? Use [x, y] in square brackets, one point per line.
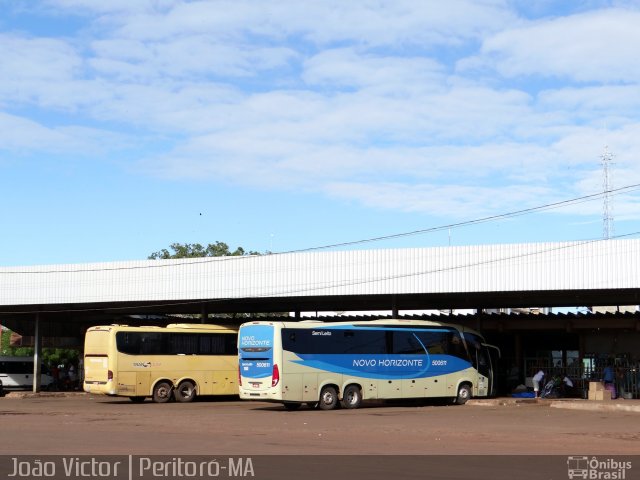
[607, 374]
[608, 378]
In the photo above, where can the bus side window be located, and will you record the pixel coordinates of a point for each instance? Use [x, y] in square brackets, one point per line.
[128, 342]
[151, 343]
[407, 343]
[456, 346]
[436, 342]
[184, 343]
[364, 342]
[231, 344]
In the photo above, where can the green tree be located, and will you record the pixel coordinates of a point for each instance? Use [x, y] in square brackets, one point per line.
[196, 250]
[218, 249]
[50, 356]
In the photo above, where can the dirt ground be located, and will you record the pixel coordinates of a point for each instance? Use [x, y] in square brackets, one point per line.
[94, 425]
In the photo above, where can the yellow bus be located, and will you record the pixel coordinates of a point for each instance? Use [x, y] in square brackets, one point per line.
[178, 361]
[345, 363]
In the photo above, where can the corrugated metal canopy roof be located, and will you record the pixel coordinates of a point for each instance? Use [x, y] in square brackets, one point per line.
[487, 276]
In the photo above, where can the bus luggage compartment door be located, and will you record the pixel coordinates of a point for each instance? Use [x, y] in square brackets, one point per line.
[310, 387]
[292, 387]
[143, 383]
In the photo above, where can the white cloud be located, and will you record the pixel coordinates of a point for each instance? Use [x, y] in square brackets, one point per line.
[370, 22]
[595, 46]
[34, 68]
[394, 104]
[595, 104]
[345, 67]
[459, 202]
[191, 57]
[17, 134]
[112, 6]
[22, 136]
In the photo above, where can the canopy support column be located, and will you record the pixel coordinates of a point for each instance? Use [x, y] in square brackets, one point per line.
[37, 354]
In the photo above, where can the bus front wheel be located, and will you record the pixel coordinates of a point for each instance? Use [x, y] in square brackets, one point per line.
[162, 392]
[328, 398]
[352, 397]
[464, 394]
[186, 391]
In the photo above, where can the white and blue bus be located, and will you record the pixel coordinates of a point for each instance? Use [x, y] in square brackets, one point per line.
[327, 364]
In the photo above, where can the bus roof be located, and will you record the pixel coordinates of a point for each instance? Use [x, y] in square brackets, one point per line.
[365, 323]
[26, 358]
[193, 327]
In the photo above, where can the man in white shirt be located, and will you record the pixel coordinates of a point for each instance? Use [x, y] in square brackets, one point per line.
[537, 381]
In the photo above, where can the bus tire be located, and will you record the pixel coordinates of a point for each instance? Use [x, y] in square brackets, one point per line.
[352, 397]
[328, 398]
[291, 406]
[464, 394]
[185, 392]
[137, 399]
[162, 392]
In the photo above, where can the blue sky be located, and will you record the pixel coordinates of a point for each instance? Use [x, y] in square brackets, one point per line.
[126, 125]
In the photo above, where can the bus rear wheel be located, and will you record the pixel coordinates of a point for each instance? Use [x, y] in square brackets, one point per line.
[185, 392]
[162, 392]
[352, 397]
[328, 398]
[464, 394]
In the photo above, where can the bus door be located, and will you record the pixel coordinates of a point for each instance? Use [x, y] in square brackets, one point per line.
[483, 364]
[493, 354]
[481, 360]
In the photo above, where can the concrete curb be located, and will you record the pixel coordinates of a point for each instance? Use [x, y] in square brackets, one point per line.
[569, 404]
[41, 394]
[599, 406]
[502, 402]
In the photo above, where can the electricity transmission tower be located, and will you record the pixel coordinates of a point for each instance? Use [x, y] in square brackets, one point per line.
[606, 159]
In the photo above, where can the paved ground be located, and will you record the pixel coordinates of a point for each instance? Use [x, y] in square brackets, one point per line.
[81, 424]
